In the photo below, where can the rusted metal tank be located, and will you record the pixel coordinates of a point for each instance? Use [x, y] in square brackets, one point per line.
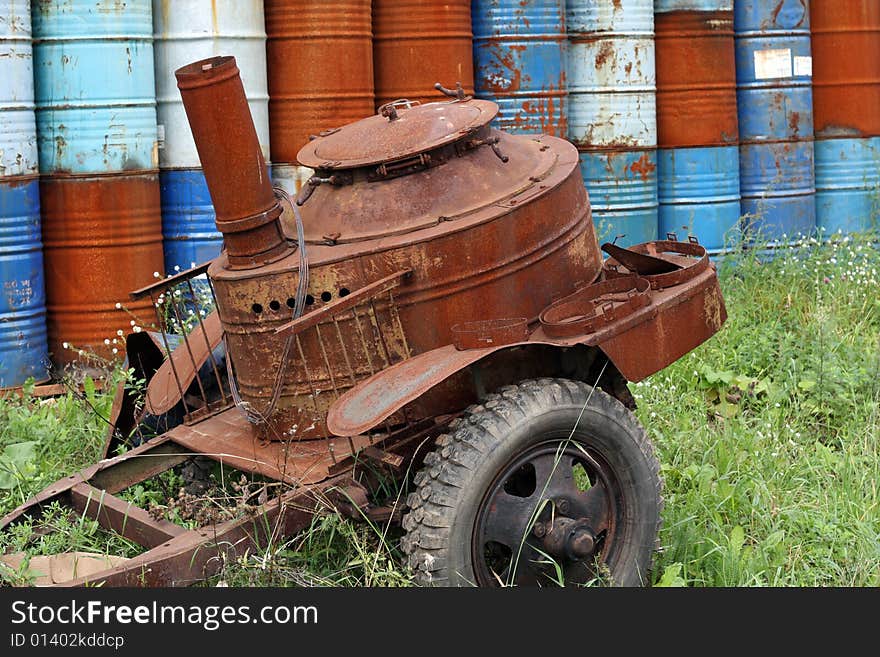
[431, 201]
[697, 125]
[320, 68]
[846, 105]
[102, 238]
[417, 43]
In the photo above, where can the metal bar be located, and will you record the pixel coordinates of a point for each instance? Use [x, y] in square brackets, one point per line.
[171, 360]
[207, 341]
[195, 555]
[122, 517]
[374, 316]
[351, 370]
[342, 304]
[192, 358]
[360, 331]
[302, 356]
[326, 360]
[143, 464]
[395, 316]
[171, 280]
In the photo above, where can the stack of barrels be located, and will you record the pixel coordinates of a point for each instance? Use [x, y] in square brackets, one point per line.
[320, 68]
[519, 63]
[22, 290]
[99, 189]
[185, 32]
[612, 116]
[846, 95]
[775, 102]
[697, 128]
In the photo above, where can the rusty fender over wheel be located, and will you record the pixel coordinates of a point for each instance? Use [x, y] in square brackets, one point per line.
[677, 320]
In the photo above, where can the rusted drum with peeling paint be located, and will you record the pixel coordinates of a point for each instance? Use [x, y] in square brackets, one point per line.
[102, 238]
[846, 99]
[697, 125]
[417, 43]
[460, 217]
[612, 113]
[320, 66]
[185, 32]
[23, 350]
[846, 71]
[775, 107]
[696, 73]
[18, 133]
[22, 289]
[519, 63]
[847, 185]
[95, 88]
[698, 191]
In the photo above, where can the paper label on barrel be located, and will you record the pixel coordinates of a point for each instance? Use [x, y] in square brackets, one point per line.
[160, 135]
[773, 64]
[803, 66]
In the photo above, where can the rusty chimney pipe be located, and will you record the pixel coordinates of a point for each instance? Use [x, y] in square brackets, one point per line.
[247, 212]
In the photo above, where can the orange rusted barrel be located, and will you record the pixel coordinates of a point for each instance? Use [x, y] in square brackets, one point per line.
[846, 68]
[319, 57]
[245, 206]
[696, 76]
[102, 238]
[417, 43]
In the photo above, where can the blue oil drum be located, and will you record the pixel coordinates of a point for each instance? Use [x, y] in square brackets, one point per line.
[519, 53]
[847, 185]
[186, 32]
[612, 88]
[189, 233]
[698, 192]
[23, 347]
[95, 87]
[623, 194]
[775, 107]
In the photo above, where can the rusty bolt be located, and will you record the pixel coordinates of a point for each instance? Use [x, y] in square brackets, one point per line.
[562, 505]
[582, 543]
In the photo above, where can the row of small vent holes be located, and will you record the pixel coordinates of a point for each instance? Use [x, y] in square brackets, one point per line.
[275, 305]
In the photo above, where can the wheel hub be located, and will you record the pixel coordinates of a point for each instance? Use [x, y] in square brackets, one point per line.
[549, 517]
[567, 538]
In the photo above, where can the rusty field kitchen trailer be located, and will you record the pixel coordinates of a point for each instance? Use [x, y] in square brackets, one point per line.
[434, 301]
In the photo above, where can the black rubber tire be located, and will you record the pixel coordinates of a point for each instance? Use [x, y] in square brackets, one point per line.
[451, 486]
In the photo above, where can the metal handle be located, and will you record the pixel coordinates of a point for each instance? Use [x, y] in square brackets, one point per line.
[457, 93]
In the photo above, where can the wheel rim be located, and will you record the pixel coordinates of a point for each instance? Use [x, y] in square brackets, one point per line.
[550, 517]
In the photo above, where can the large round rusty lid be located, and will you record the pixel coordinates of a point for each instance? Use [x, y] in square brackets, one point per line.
[396, 133]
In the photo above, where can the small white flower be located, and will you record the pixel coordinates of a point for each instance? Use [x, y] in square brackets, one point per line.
[120, 333]
[132, 322]
[66, 345]
[115, 350]
[118, 306]
[156, 274]
[106, 340]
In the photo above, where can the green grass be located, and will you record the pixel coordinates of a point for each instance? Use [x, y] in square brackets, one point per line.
[767, 436]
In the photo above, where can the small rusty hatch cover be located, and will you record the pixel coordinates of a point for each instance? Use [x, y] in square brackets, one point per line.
[402, 132]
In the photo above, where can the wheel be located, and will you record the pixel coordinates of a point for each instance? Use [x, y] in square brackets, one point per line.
[549, 482]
